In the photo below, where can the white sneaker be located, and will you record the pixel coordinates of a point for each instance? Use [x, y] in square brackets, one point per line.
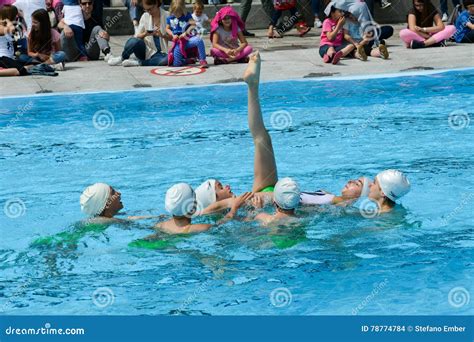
[384, 4]
[115, 61]
[445, 17]
[59, 66]
[130, 63]
[318, 23]
[107, 57]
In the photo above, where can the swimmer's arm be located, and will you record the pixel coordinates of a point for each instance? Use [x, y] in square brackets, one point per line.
[198, 228]
[135, 218]
[217, 206]
[237, 203]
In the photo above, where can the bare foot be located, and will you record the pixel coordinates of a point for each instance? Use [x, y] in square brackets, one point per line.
[252, 73]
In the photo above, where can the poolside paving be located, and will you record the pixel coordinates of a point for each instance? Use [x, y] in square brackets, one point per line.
[289, 58]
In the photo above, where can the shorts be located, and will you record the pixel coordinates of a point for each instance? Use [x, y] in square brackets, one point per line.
[324, 48]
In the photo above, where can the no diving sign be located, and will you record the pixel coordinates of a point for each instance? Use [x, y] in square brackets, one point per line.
[178, 71]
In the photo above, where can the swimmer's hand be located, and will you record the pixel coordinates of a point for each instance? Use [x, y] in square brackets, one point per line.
[237, 203]
[257, 202]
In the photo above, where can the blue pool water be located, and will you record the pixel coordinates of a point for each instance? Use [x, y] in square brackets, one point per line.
[418, 260]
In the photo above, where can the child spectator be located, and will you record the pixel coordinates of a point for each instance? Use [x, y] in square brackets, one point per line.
[365, 44]
[228, 42]
[465, 24]
[421, 32]
[333, 47]
[199, 17]
[44, 44]
[8, 66]
[179, 26]
[10, 12]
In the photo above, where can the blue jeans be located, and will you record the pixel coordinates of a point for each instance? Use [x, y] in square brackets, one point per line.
[137, 46]
[315, 4]
[57, 57]
[444, 5]
[178, 58]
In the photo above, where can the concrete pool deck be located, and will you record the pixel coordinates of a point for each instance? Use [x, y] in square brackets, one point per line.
[291, 57]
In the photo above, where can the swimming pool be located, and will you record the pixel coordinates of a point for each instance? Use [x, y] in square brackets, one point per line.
[417, 260]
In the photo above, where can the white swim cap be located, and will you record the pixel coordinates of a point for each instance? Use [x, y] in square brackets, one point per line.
[206, 193]
[180, 200]
[393, 183]
[286, 194]
[94, 199]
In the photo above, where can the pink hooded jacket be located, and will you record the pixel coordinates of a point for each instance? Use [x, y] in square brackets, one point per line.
[236, 21]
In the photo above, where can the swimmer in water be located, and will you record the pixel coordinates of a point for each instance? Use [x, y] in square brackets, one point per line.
[181, 203]
[388, 187]
[211, 195]
[214, 197]
[101, 203]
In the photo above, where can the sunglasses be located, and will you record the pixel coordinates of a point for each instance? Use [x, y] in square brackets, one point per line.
[88, 3]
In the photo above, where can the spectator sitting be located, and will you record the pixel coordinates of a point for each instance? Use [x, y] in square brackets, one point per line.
[421, 32]
[228, 41]
[465, 24]
[150, 44]
[333, 47]
[199, 17]
[365, 44]
[179, 26]
[8, 66]
[94, 38]
[44, 45]
[10, 12]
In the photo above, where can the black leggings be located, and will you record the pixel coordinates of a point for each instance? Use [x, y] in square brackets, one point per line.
[468, 37]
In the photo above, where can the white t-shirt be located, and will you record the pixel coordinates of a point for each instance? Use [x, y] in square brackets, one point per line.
[73, 15]
[6, 46]
[200, 20]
